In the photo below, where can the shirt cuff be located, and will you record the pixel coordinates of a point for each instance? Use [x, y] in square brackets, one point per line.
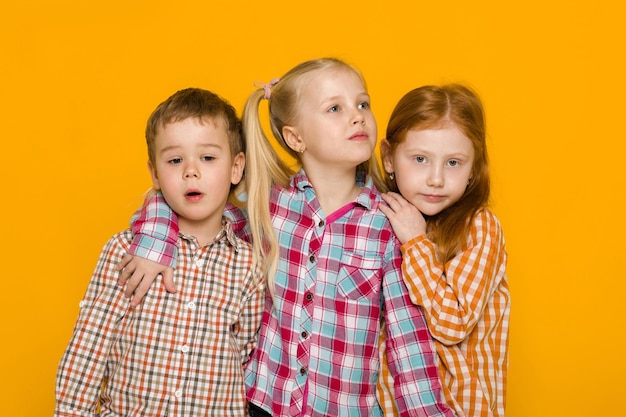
[154, 250]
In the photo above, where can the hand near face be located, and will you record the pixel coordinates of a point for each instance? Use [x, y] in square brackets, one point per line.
[405, 218]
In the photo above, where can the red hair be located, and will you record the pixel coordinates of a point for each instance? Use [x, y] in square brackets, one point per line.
[435, 107]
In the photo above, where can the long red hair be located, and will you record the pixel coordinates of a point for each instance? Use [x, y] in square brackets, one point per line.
[431, 107]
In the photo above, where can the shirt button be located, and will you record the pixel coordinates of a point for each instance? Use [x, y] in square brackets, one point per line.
[312, 258]
[184, 349]
[302, 370]
[304, 334]
[191, 305]
[198, 263]
[308, 296]
[179, 393]
[82, 304]
[321, 223]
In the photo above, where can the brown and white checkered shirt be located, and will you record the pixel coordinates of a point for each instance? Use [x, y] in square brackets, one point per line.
[179, 354]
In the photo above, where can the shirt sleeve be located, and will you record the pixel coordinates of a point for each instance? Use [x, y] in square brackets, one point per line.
[454, 296]
[155, 232]
[239, 221]
[253, 306]
[83, 366]
[410, 349]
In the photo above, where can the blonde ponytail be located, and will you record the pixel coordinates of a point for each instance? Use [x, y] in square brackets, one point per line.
[264, 169]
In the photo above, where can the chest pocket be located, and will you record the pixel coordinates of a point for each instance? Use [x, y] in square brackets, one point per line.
[359, 277]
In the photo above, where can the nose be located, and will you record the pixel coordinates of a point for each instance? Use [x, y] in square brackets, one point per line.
[435, 177]
[358, 117]
[191, 171]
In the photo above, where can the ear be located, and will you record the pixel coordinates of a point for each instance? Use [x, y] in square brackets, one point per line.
[239, 163]
[387, 158]
[155, 177]
[293, 139]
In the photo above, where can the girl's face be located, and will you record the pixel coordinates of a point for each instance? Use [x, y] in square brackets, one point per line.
[335, 125]
[432, 167]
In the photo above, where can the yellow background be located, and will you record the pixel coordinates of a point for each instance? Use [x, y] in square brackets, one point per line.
[79, 79]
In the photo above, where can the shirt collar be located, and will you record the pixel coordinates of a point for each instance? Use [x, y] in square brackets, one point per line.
[225, 234]
[366, 198]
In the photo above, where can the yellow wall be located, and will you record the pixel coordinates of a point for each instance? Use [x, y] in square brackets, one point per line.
[79, 78]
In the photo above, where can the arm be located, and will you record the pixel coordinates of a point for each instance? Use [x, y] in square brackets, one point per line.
[155, 234]
[253, 296]
[410, 350]
[153, 250]
[454, 296]
[239, 221]
[82, 369]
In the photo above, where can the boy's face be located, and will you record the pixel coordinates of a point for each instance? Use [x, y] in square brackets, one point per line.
[194, 170]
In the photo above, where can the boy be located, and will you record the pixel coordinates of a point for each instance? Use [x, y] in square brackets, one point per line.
[175, 354]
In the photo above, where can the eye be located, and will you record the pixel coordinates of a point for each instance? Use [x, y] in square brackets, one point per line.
[333, 109]
[453, 163]
[364, 106]
[420, 159]
[208, 158]
[175, 161]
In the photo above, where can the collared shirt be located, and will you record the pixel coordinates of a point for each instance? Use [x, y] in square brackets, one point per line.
[337, 275]
[467, 305]
[319, 341]
[178, 354]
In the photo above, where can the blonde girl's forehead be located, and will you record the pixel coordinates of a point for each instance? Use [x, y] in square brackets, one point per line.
[320, 73]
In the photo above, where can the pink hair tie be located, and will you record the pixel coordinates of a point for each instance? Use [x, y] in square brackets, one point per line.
[267, 87]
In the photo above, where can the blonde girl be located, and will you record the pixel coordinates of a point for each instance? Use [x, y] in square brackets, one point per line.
[454, 257]
[334, 262]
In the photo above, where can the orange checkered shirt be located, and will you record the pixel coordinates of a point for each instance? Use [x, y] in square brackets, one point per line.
[467, 305]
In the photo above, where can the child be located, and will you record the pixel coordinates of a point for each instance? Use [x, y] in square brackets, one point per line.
[175, 354]
[454, 257]
[334, 260]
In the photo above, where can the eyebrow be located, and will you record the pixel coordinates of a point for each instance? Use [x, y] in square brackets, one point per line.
[426, 151]
[202, 145]
[359, 96]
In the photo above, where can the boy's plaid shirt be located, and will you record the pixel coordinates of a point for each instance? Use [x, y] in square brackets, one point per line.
[178, 354]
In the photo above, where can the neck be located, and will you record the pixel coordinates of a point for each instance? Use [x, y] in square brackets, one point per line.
[204, 231]
[334, 189]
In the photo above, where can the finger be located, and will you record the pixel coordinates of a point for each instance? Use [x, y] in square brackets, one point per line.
[132, 284]
[141, 290]
[168, 280]
[392, 198]
[399, 200]
[387, 198]
[125, 275]
[386, 210]
[389, 212]
[124, 262]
